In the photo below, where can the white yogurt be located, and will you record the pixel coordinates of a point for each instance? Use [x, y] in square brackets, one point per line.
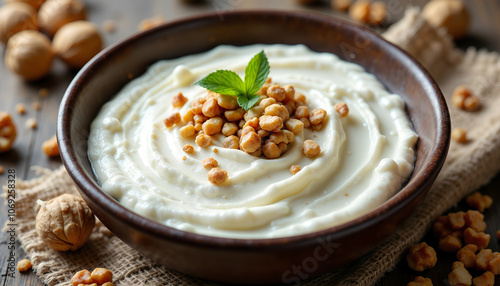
[365, 157]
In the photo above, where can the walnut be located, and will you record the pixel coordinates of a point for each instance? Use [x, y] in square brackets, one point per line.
[29, 54]
[65, 222]
[7, 132]
[77, 42]
[56, 13]
[16, 17]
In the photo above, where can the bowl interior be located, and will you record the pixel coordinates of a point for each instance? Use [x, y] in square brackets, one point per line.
[107, 73]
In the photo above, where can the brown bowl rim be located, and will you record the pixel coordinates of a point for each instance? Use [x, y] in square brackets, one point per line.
[400, 200]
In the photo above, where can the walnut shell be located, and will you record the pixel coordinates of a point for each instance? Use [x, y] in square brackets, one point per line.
[65, 222]
[29, 54]
[77, 42]
[16, 17]
[450, 14]
[33, 3]
[56, 13]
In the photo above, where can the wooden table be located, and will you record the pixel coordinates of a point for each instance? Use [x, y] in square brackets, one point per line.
[126, 15]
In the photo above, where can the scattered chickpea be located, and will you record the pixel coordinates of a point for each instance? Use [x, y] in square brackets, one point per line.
[179, 100]
[341, 5]
[463, 98]
[250, 142]
[254, 123]
[7, 132]
[271, 150]
[420, 281]
[450, 244]
[342, 109]
[277, 110]
[187, 131]
[50, 148]
[231, 142]
[279, 137]
[212, 126]
[478, 201]
[255, 111]
[317, 116]
[421, 257]
[475, 220]
[467, 255]
[21, 108]
[203, 140]
[300, 98]
[188, 148]
[294, 169]
[270, 123]
[483, 258]
[210, 163]
[302, 112]
[31, 123]
[23, 265]
[227, 102]
[459, 135]
[234, 115]
[36, 105]
[276, 92]
[81, 277]
[229, 129]
[306, 122]
[480, 239]
[109, 26]
[311, 148]
[217, 176]
[101, 275]
[172, 119]
[211, 108]
[360, 11]
[487, 279]
[199, 118]
[459, 275]
[197, 105]
[456, 220]
[378, 13]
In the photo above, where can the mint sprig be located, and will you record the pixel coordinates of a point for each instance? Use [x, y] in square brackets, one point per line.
[229, 83]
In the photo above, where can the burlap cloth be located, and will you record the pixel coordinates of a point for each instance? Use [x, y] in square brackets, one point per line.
[468, 167]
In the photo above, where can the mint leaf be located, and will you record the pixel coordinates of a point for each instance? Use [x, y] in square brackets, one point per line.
[229, 83]
[246, 102]
[223, 82]
[256, 73]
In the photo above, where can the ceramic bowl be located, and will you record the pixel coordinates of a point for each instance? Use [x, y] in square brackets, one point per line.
[254, 260]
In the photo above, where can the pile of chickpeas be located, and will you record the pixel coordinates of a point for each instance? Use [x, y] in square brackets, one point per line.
[266, 129]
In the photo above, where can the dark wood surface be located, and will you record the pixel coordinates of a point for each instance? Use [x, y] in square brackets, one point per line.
[126, 15]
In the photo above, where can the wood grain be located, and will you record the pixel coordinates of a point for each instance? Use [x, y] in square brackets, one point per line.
[484, 33]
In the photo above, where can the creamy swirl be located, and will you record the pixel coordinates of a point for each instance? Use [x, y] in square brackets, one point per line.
[365, 157]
